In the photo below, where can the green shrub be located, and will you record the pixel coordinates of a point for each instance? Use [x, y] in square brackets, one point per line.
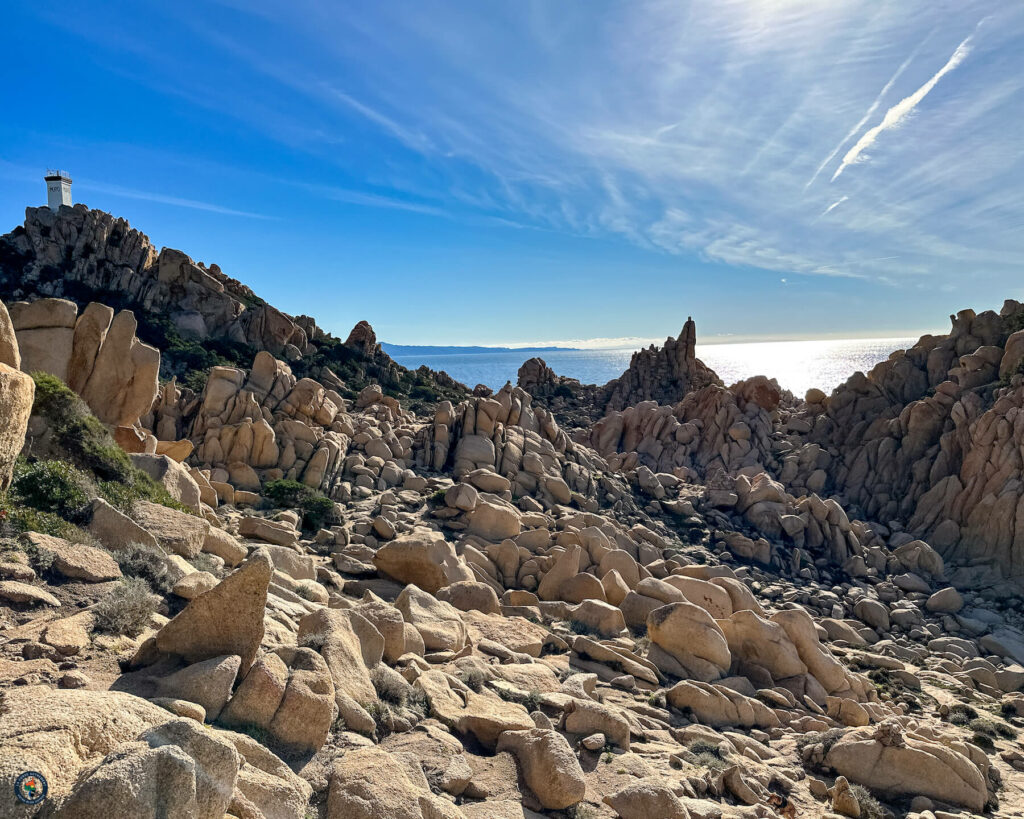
[78, 431]
[147, 564]
[317, 510]
[52, 486]
[563, 391]
[983, 741]
[579, 627]
[826, 738]
[991, 728]
[417, 703]
[707, 754]
[90, 448]
[126, 609]
[206, 562]
[382, 716]
[16, 518]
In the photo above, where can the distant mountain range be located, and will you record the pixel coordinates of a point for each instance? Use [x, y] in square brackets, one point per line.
[411, 349]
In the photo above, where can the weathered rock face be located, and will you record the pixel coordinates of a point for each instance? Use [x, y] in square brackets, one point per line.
[894, 764]
[508, 436]
[95, 353]
[79, 246]
[17, 391]
[83, 254]
[929, 439]
[423, 558]
[266, 423]
[370, 783]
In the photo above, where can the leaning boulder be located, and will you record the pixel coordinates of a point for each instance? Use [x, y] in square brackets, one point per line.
[370, 783]
[718, 706]
[549, 766]
[177, 532]
[689, 636]
[438, 623]
[228, 619]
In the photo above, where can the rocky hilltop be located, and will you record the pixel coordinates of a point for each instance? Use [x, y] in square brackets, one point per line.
[195, 313]
[266, 589]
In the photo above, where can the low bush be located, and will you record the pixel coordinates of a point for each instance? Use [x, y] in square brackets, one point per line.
[390, 687]
[474, 679]
[870, 808]
[382, 716]
[317, 511]
[826, 738]
[126, 609]
[707, 754]
[991, 728]
[417, 703]
[147, 564]
[961, 714]
[206, 562]
[52, 486]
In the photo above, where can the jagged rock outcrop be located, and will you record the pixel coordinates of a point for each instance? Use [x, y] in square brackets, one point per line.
[508, 436]
[925, 446]
[660, 374]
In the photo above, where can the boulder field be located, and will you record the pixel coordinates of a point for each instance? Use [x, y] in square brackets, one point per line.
[727, 604]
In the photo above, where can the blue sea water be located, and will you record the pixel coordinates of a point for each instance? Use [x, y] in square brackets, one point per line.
[796, 365]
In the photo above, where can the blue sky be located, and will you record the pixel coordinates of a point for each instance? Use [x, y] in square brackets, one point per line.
[535, 172]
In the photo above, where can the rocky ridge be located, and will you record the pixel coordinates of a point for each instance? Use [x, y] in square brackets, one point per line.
[196, 313]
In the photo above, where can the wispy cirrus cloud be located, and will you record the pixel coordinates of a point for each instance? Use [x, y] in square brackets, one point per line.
[88, 185]
[901, 110]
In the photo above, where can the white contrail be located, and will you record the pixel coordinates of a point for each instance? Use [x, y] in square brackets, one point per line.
[868, 114]
[895, 115]
[834, 205]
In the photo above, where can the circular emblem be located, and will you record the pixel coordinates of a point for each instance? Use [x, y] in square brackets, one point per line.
[30, 788]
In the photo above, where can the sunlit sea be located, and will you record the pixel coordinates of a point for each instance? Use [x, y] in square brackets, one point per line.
[796, 365]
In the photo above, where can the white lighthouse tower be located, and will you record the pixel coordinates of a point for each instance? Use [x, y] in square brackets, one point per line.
[58, 189]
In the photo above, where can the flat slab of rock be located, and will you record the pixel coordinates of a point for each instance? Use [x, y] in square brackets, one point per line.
[76, 561]
[14, 592]
[71, 634]
[269, 531]
[178, 532]
[116, 530]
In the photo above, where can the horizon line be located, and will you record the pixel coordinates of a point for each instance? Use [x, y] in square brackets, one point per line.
[718, 339]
